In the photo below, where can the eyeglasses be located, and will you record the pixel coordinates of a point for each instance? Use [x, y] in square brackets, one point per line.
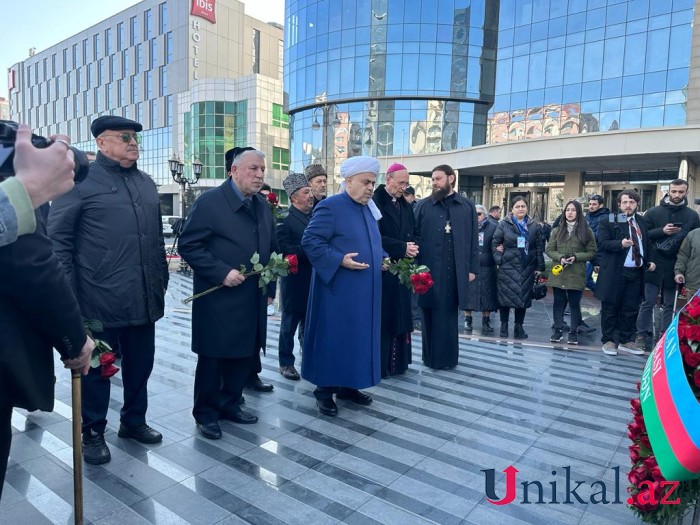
[126, 137]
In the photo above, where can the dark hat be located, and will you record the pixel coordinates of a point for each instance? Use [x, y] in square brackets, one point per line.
[596, 198]
[409, 190]
[314, 170]
[106, 122]
[294, 182]
[231, 155]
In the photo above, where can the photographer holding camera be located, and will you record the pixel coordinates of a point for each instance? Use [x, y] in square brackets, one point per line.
[38, 310]
[41, 175]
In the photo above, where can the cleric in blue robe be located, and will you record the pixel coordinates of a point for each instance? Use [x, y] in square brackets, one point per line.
[341, 338]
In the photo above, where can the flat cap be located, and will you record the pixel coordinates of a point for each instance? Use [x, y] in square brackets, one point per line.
[294, 182]
[106, 122]
[315, 170]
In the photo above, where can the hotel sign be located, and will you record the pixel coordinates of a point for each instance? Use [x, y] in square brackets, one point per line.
[204, 9]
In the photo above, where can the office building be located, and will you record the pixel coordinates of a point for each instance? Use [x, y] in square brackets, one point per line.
[551, 99]
[201, 76]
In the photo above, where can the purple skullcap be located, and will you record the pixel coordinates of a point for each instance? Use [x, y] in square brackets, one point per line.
[395, 167]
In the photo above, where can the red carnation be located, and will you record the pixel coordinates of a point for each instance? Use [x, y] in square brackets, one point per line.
[108, 371]
[293, 263]
[272, 199]
[108, 358]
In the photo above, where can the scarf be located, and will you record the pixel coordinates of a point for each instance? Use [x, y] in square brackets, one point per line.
[522, 229]
[570, 227]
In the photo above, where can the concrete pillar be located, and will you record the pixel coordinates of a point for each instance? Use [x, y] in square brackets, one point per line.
[573, 185]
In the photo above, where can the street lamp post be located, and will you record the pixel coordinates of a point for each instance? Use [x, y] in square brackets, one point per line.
[327, 138]
[177, 169]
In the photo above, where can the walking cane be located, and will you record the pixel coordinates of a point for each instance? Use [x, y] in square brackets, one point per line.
[679, 286]
[77, 449]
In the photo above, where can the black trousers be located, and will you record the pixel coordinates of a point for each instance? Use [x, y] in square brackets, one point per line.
[137, 345]
[561, 298]
[5, 441]
[621, 314]
[288, 327]
[504, 313]
[218, 385]
[326, 392]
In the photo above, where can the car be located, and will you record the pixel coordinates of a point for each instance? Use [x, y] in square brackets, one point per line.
[168, 221]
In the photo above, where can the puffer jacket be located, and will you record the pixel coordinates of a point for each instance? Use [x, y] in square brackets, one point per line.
[572, 277]
[107, 232]
[515, 279]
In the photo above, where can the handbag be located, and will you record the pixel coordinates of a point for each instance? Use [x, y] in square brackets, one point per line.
[671, 244]
[539, 289]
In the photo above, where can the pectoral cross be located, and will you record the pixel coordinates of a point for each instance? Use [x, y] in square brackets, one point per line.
[448, 228]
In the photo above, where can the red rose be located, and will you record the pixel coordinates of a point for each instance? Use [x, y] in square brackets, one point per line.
[696, 378]
[637, 475]
[422, 282]
[636, 406]
[108, 371]
[634, 431]
[634, 453]
[272, 199]
[692, 359]
[685, 348]
[639, 419]
[693, 332]
[644, 441]
[655, 473]
[693, 308]
[643, 500]
[639, 386]
[293, 263]
[108, 358]
[650, 462]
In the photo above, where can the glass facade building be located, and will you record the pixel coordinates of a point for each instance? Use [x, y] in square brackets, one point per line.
[393, 78]
[387, 77]
[577, 66]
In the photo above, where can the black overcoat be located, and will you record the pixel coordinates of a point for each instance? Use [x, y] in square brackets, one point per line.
[220, 235]
[515, 279]
[295, 288]
[38, 312]
[611, 255]
[396, 228]
[482, 291]
[430, 228]
[107, 232]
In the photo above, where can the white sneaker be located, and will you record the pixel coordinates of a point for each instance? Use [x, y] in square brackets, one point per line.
[610, 348]
[271, 310]
[631, 348]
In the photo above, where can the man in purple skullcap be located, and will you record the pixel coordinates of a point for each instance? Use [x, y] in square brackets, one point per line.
[397, 229]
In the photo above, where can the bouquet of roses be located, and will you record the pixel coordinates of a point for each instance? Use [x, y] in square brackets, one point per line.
[416, 277]
[278, 266]
[102, 355]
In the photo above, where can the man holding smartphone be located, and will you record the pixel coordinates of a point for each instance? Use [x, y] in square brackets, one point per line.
[668, 224]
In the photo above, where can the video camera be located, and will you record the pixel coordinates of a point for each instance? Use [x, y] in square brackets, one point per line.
[8, 135]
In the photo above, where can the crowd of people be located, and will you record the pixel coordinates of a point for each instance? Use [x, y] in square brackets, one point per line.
[353, 319]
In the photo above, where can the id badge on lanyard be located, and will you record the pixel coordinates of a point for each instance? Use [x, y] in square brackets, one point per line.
[521, 241]
[481, 238]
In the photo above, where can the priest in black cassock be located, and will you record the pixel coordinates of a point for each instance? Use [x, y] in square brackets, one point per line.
[397, 229]
[448, 237]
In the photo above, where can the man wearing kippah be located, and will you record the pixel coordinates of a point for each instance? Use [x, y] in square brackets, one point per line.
[317, 177]
[295, 288]
[341, 337]
[107, 232]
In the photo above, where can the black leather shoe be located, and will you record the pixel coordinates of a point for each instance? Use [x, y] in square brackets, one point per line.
[257, 384]
[289, 372]
[209, 430]
[95, 450]
[327, 407]
[239, 416]
[355, 396]
[142, 434]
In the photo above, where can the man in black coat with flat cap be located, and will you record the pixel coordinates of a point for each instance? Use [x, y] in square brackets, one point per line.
[107, 232]
[226, 227]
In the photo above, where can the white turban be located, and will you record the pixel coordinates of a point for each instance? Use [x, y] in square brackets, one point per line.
[361, 164]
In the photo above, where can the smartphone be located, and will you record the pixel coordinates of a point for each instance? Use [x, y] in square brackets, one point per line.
[678, 224]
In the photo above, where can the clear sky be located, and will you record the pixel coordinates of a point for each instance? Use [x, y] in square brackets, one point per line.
[43, 23]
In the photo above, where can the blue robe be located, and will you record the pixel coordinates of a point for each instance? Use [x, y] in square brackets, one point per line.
[341, 338]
